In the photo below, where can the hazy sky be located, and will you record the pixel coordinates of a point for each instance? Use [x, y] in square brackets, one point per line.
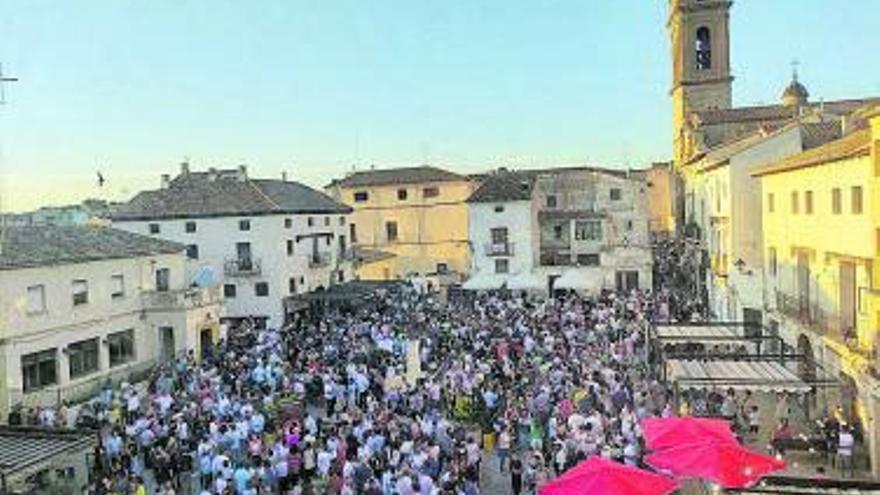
[315, 87]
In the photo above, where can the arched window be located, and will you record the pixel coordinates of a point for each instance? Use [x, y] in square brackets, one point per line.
[704, 48]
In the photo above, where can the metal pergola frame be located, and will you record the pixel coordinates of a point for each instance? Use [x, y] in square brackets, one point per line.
[791, 485]
[822, 378]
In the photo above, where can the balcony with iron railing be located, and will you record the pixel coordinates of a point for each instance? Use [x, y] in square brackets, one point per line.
[242, 267]
[498, 249]
[820, 321]
[193, 297]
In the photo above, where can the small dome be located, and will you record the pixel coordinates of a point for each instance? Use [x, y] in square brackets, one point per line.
[795, 94]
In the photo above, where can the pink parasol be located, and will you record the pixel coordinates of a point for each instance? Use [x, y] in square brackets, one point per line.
[661, 433]
[727, 464]
[598, 476]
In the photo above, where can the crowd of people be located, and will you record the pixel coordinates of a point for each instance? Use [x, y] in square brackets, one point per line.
[337, 405]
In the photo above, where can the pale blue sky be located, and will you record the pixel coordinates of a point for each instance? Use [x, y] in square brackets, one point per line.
[313, 87]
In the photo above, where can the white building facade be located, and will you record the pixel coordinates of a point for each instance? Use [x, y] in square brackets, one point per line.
[579, 229]
[84, 304]
[725, 202]
[265, 240]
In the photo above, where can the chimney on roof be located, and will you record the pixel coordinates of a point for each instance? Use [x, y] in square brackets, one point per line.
[166, 179]
[184, 167]
[284, 176]
[242, 173]
[212, 174]
[846, 124]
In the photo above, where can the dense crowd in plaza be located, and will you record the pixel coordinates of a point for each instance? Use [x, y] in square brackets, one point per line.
[331, 407]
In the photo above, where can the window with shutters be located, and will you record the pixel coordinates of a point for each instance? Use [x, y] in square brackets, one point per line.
[80, 289]
[36, 299]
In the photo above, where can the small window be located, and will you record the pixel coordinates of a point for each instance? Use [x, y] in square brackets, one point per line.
[326, 221]
[154, 228]
[588, 230]
[190, 227]
[163, 279]
[289, 247]
[328, 240]
[430, 192]
[629, 225]
[302, 280]
[615, 194]
[311, 222]
[557, 232]
[856, 200]
[808, 202]
[401, 194]
[291, 285]
[502, 265]
[117, 286]
[499, 208]
[703, 49]
[261, 289]
[551, 201]
[794, 202]
[836, 201]
[39, 370]
[771, 261]
[588, 259]
[192, 251]
[771, 203]
[121, 347]
[352, 233]
[82, 357]
[288, 223]
[342, 221]
[244, 225]
[442, 268]
[80, 292]
[391, 231]
[340, 276]
[36, 299]
[229, 291]
[361, 196]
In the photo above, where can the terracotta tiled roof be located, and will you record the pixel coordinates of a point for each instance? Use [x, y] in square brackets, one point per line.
[852, 145]
[516, 185]
[34, 246]
[815, 134]
[503, 186]
[225, 193]
[392, 176]
[769, 113]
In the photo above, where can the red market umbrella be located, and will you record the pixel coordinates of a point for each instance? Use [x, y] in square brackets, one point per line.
[662, 433]
[598, 476]
[727, 464]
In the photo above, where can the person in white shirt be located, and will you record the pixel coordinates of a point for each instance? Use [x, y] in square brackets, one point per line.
[845, 445]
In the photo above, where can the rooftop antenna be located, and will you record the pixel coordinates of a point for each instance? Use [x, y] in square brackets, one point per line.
[3, 80]
[795, 63]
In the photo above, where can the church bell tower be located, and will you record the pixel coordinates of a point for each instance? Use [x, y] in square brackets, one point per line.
[701, 80]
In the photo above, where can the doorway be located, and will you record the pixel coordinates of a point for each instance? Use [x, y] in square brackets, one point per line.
[206, 343]
[626, 281]
[166, 339]
[847, 299]
[753, 320]
[803, 284]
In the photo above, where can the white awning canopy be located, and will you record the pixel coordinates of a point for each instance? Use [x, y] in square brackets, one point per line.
[697, 333]
[589, 280]
[762, 376]
[484, 282]
[525, 281]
